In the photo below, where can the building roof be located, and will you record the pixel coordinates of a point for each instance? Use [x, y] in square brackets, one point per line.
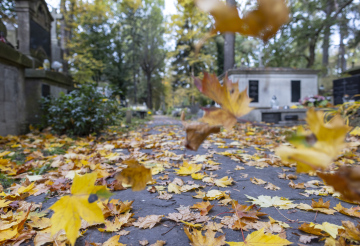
[269, 70]
[353, 71]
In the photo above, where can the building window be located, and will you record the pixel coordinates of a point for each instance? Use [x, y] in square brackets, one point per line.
[45, 90]
[295, 90]
[254, 90]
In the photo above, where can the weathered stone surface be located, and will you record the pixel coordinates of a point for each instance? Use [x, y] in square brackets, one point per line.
[13, 57]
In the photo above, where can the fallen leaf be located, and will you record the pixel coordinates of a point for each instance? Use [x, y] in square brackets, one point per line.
[259, 238]
[203, 207]
[148, 222]
[353, 211]
[158, 243]
[306, 238]
[331, 229]
[113, 241]
[271, 186]
[188, 169]
[224, 182]
[257, 181]
[197, 239]
[144, 242]
[351, 232]
[81, 204]
[268, 201]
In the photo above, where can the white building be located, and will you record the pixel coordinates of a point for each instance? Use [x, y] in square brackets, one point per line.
[287, 84]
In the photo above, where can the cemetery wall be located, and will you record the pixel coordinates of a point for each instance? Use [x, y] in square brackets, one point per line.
[12, 90]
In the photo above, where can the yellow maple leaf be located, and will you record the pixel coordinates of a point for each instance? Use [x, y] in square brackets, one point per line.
[69, 210]
[197, 176]
[268, 201]
[316, 151]
[233, 103]
[135, 175]
[197, 239]
[355, 131]
[188, 169]
[113, 241]
[174, 188]
[224, 182]
[332, 229]
[259, 238]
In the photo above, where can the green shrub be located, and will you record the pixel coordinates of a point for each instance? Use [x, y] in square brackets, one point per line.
[81, 112]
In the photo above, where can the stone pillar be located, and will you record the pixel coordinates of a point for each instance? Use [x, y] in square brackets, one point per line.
[56, 52]
[23, 14]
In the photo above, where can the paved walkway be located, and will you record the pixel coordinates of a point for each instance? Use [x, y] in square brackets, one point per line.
[166, 135]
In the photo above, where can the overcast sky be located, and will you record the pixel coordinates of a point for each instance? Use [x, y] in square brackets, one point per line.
[169, 5]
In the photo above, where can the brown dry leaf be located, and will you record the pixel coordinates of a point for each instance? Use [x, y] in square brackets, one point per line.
[197, 132]
[257, 181]
[158, 243]
[239, 168]
[186, 215]
[148, 222]
[320, 204]
[135, 175]
[233, 103]
[310, 228]
[297, 186]
[197, 239]
[203, 207]
[119, 221]
[353, 211]
[351, 231]
[346, 181]
[165, 177]
[271, 186]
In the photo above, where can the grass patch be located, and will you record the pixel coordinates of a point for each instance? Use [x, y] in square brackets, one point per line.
[5, 181]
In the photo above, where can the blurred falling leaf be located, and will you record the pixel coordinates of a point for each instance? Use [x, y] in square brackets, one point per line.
[330, 140]
[233, 103]
[135, 175]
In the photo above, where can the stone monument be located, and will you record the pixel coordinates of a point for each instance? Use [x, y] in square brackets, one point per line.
[34, 21]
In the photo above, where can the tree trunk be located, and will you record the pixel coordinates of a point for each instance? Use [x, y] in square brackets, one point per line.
[149, 91]
[229, 45]
[327, 33]
[64, 36]
[343, 35]
[311, 59]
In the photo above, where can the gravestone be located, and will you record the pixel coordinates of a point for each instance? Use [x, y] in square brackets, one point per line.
[56, 51]
[34, 22]
[346, 86]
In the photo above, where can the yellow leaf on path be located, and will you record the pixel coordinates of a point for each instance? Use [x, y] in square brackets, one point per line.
[174, 188]
[158, 243]
[224, 182]
[4, 204]
[135, 175]
[113, 241]
[197, 176]
[351, 232]
[119, 221]
[214, 194]
[332, 229]
[197, 239]
[258, 238]
[307, 207]
[355, 131]
[353, 211]
[7, 234]
[233, 103]
[81, 204]
[191, 224]
[188, 169]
